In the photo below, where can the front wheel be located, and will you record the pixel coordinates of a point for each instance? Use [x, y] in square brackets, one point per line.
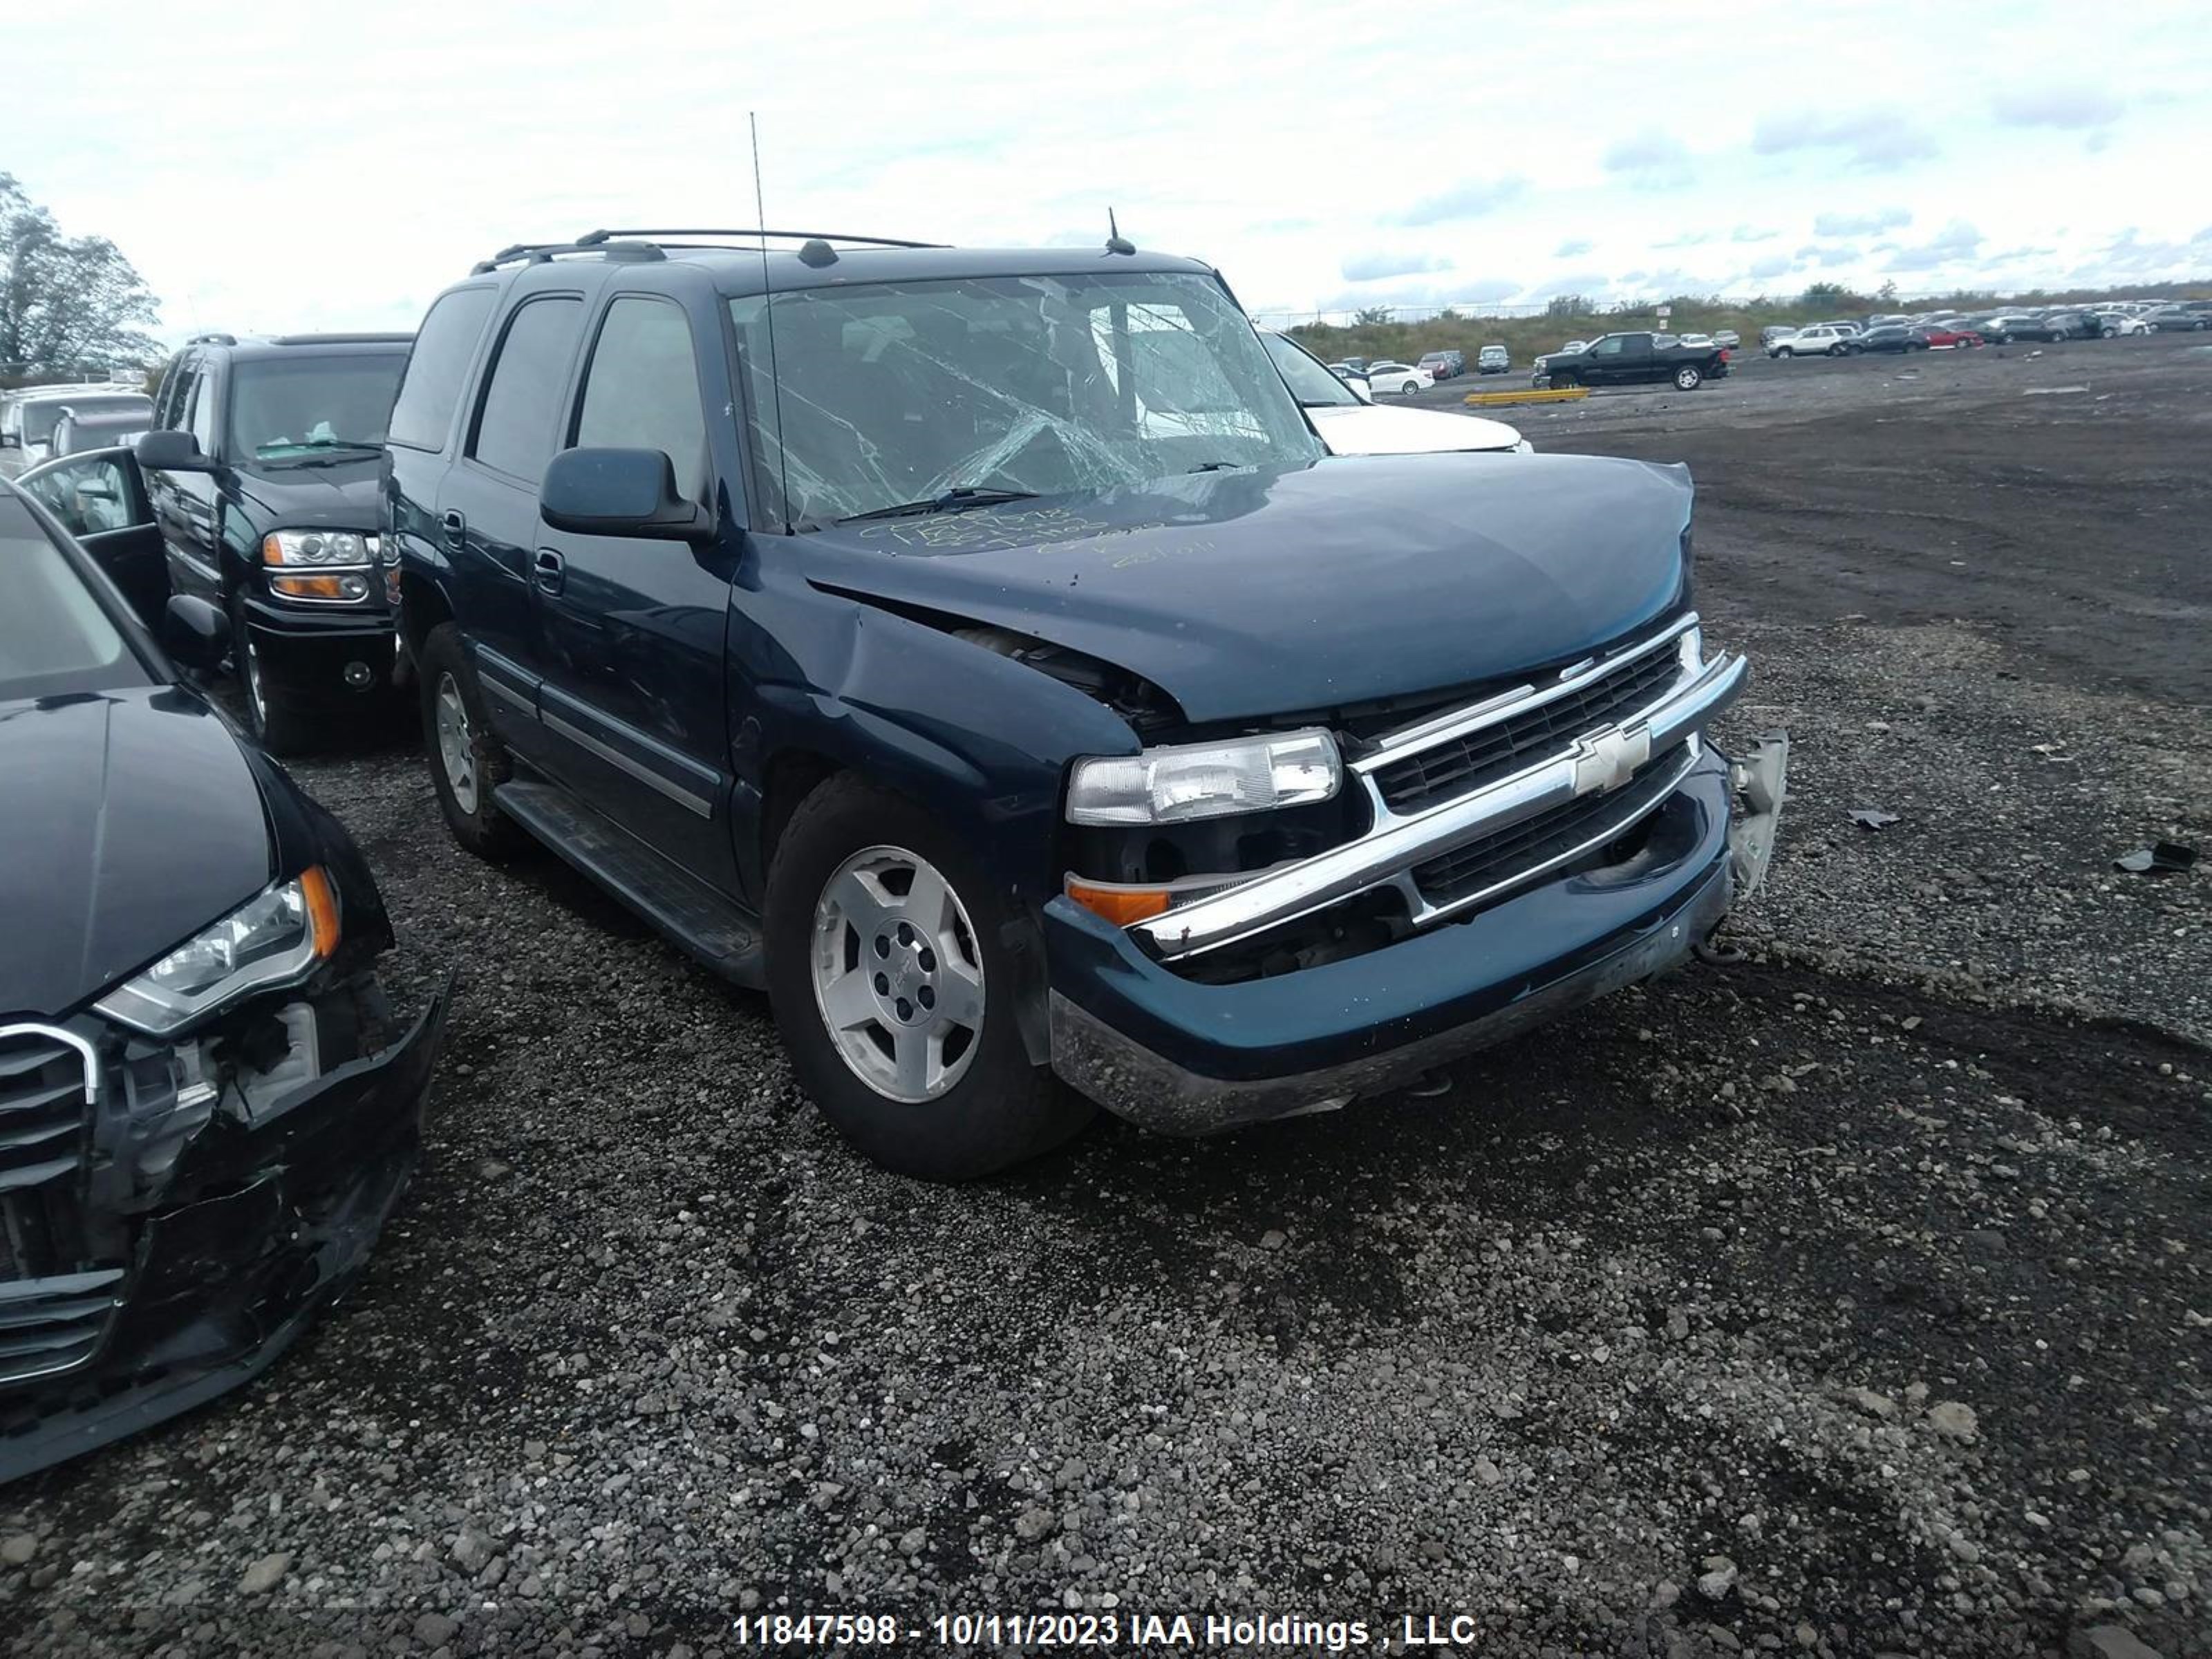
[1687, 379]
[273, 713]
[895, 987]
[1783, 354]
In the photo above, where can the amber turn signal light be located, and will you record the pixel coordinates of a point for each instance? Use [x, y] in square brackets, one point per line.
[1122, 906]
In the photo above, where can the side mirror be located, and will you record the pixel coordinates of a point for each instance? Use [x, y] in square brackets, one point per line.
[9, 441]
[618, 492]
[196, 633]
[170, 451]
[1361, 390]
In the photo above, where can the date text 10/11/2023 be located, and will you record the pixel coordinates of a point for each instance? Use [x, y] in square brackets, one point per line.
[1104, 1630]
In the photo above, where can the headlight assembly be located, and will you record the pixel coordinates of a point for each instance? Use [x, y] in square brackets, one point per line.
[330, 566]
[317, 548]
[274, 939]
[1177, 784]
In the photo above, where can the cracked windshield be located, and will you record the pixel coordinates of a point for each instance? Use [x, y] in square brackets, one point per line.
[293, 408]
[927, 396]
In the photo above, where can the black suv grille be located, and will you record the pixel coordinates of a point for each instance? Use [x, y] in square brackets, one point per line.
[1526, 847]
[52, 1315]
[1464, 764]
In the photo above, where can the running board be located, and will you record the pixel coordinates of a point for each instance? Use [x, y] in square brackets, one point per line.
[711, 927]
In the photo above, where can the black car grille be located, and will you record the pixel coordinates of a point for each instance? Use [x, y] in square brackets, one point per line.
[1456, 768]
[53, 1312]
[1520, 849]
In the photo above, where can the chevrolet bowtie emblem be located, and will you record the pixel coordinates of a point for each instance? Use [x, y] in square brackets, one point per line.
[1605, 760]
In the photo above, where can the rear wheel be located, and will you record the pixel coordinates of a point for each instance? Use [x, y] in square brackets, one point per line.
[467, 761]
[895, 990]
[1838, 349]
[1687, 378]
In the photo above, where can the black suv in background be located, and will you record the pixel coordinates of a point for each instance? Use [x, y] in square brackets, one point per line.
[260, 477]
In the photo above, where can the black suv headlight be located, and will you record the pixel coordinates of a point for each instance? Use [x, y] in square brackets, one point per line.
[327, 566]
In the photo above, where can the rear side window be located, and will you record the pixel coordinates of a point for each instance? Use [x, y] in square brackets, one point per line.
[443, 347]
[641, 391]
[515, 427]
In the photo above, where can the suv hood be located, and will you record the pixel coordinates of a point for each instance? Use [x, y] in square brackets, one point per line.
[132, 819]
[334, 495]
[1246, 595]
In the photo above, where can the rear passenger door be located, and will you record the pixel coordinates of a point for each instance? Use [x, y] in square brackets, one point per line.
[488, 507]
[631, 629]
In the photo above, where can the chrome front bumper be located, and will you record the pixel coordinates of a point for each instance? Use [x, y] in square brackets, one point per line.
[1395, 844]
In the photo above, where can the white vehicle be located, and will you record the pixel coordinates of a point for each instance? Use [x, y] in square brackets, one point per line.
[2125, 322]
[32, 414]
[1404, 379]
[1350, 424]
[1695, 340]
[1818, 340]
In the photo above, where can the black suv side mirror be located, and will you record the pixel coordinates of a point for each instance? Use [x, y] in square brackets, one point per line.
[196, 633]
[618, 492]
[167, 451]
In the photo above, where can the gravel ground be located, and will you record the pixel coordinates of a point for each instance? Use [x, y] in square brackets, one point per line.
[1851, 1299]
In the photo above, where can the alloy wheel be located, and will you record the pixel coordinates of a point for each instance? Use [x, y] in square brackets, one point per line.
[897, 973]
[456, 743]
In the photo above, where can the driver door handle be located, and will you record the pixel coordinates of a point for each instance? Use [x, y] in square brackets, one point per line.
[455, 526]
[552, 570]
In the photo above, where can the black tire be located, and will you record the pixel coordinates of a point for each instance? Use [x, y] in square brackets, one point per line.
[1783, 353]
[479, 825]
[1688, 377]
[1001, 1109]
[1839, 349]
[275, 718]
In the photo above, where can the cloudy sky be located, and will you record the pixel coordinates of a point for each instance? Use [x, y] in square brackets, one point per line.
[302, 165]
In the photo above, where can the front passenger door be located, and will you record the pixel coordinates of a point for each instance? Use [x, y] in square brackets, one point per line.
[100, 497]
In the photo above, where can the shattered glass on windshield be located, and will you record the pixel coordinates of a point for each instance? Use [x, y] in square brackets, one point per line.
[934, 396]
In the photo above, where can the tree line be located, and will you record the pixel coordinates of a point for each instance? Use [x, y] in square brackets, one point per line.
[69, 305]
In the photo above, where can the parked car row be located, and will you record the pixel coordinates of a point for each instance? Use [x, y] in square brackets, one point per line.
[1936, 330]
[930, 668]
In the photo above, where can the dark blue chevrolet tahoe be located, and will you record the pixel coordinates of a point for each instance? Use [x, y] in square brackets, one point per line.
[980, 652]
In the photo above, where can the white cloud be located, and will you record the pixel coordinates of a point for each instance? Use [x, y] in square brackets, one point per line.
[1861, 224]
[1374, 267]
[1876, 140]
[1468, 199]
[2069, 104]
[1572, 247]
[1653, 158]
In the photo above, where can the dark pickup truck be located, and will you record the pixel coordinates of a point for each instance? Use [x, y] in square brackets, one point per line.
[980, 651]
[1634, 360]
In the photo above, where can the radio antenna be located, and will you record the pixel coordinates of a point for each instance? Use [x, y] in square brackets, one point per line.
[767, 302]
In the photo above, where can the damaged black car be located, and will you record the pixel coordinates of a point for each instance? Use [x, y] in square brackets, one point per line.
[208, 1108]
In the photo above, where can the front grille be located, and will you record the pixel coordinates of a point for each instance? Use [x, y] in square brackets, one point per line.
[53, 1311]
[1463, 764]
[1521, 849]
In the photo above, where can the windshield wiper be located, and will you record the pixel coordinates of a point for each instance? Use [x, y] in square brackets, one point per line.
[1219, 466]
[952, 500]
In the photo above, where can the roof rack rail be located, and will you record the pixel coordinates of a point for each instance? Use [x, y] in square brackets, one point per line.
[340, 339]
[213, 339]
[598, 237]
[538, 253]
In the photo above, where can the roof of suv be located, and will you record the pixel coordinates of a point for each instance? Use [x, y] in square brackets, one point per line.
[740, 270]
[279, 345]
